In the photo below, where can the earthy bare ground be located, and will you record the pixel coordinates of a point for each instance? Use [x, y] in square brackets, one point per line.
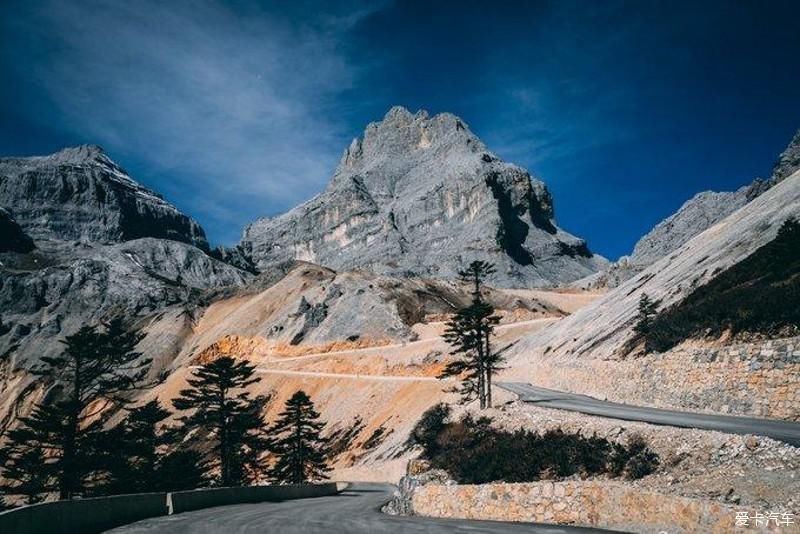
[385, 388]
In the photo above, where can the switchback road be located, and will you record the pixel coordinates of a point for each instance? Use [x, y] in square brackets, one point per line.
[785, 431]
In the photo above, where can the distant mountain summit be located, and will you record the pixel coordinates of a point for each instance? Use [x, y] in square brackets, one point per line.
[697, 214]
[80, 194]
[423, 196]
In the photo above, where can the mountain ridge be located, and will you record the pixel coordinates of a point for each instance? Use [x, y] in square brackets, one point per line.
[80, 194]
[701, 211]
[414, 196]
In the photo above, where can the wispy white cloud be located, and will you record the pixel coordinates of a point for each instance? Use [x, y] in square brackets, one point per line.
[230, 108]
[555, 98]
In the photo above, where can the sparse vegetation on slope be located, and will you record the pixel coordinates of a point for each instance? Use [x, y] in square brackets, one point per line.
[474, 452]
[759, 295]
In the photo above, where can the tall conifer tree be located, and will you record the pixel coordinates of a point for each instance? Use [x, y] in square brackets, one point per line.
[224, 409]
[470, 332]
[300, 449]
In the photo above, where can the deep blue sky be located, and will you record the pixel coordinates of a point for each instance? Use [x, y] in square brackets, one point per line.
[241, 109]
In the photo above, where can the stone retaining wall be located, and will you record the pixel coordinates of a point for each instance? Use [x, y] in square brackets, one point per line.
[759, 379]
[599, 504]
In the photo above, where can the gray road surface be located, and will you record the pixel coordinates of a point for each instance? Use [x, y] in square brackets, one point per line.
[781, 430]
[354, 511]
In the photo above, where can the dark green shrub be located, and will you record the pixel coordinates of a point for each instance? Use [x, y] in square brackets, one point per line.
[473, 452]
[759, 295]
[641, 464]
[429, 427]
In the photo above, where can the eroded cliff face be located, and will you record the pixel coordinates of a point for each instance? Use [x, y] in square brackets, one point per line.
[696, 215]
[420, 195]
[80, 194]
[81, 242]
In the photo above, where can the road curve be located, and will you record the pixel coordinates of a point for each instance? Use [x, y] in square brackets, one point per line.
[354, 511]
[785, 431]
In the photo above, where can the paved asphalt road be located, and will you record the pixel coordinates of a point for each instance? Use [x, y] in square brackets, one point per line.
[781, 430]
[354, 511]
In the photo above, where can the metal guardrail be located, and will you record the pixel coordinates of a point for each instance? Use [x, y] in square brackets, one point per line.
[96, 515]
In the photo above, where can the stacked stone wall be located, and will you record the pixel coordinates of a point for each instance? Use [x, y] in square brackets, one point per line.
[599, 504]
[759, 379]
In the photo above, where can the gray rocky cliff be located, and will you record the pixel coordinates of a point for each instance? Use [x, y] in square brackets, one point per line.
[788, 162]
[44, 298]
[420, 195]
[83, 242]
[80, 194]
[697, 214]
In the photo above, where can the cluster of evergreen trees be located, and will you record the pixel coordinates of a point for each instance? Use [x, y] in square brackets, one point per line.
[68, 444]
[470, 333]
[759, 296]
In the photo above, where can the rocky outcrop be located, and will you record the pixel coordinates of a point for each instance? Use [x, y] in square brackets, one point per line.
[602, 329]
[697, 214]
[136, 279]
[420, 195]
[86, 243]
[12, 237]
[402, 500]
[80, 194]
[788, 162]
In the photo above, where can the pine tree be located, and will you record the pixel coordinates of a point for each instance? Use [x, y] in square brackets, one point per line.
[26, 473]
[300, 449]
[181, 469]
[135, 462]
[647, 311]
[231, 418]
[92, 376]
[475, 274]
[470, 332]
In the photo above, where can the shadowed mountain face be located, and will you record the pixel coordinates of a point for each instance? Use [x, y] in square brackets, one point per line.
[79, 194]
[12, 238]
[420, 195]
[759, 295]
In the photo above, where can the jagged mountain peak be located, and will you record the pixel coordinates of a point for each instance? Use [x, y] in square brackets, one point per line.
[406, 135]
[80, 194]
[789, 160]
[421, 195]
[80, 154]
[74, 155]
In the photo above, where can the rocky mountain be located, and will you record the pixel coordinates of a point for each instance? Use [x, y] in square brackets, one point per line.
[420, 195]
[80, 194]
[601, 329]
[788, 161]
[697, 214]
[81, 241]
